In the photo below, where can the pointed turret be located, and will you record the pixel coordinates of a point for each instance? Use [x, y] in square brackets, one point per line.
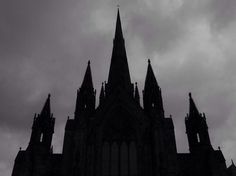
[85, 102]
[102, 95]
[46, 111]
[136, 94]
[152, 98]
[196, 128]
[193, 111]
[119, 75]
[42, 130]
[87, 82]
[150, 81]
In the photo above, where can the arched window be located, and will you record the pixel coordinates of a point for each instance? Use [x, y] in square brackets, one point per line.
[114, 159]
[198, 138]
[105, 158]
[41, 137]
[124, 159]
[90, 160]
[119, 159]
[133, 159]
[146, 159]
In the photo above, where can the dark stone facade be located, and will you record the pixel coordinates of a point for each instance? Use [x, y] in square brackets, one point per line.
[120, 137]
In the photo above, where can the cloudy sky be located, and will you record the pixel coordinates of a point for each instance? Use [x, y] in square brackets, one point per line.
[45, 46]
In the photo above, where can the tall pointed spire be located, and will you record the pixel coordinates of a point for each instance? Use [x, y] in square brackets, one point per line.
[87, 82]
[119, 75]
[193, 111]
[46, 111]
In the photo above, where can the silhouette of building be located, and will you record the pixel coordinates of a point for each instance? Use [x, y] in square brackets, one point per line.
[120, 137]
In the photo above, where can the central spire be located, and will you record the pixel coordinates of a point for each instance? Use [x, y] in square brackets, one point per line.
[119, 71]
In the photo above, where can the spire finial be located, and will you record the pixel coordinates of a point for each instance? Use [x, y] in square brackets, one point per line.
[49, 95]
[88, 62]
[190, 95]
[102, 95]
[149, 62]
[136, 93]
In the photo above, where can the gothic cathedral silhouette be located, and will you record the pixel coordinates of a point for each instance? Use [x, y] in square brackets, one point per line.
[120, 137]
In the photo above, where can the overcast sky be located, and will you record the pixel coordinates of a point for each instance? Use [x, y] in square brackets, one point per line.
[45, 46]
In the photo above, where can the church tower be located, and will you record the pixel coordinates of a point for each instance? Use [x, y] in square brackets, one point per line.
[86, 97]
[42, 130]
[152, 98]
[35, 160]
[196, 129]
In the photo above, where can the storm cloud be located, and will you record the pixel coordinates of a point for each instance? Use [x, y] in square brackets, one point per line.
[45, 46]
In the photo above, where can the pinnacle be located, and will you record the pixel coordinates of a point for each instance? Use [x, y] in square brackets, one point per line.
[46, 111]
[150, 77]
[136, 93]
[87, 82]
[102, 91]
[192, 106]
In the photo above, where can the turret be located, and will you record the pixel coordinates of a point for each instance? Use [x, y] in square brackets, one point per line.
[42, 130]
[102, 95]
[196, 128]
[136, 94]
[152, 98]
[85, 102]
